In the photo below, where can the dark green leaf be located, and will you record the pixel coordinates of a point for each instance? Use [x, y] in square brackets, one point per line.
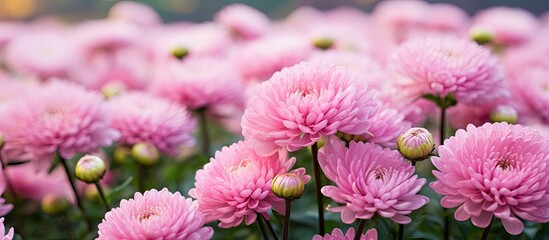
[119, 188]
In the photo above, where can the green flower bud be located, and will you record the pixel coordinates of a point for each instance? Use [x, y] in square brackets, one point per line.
[145, 153]
[288, 186]
[53, 204]
[481, 35]
[504, 113]
[120, 154]
[90, 169]
[1, 140]
[416, 144]
[111, 89]
[323, 43]
[180, 52]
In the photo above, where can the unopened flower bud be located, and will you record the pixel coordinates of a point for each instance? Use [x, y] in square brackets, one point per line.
[349, 137]
[416, 144]
[120, 154]
[113, 88]
[288, 186]
[481, 35]
[1, 140]
[145, 153]
[323, 43]
[54, 204]
[90, 169]
[180, 52]
[504, 113]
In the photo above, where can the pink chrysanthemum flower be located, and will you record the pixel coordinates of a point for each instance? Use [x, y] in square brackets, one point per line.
[155, 215]
[337, 234]
[4, 208]
[93, 35]
[143, 118]
[3, 234]
[510, 26]
[446, 18]
[61, 117]
[370, 180]
[496, 170]
[530, 88]
[244, 21]
[260, 58]
[134, 12]
[31, 184]
[387, 125]
[300, 104]
[442, 65]
[199, 83]
[236, 185]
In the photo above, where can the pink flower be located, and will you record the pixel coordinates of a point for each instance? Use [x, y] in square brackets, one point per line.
[144, 118]
[337, 234]
[370, 180]
[445, 64]
[236, 185]
[387, 125]
[31, 184]
[135, 12]
[260, 58]
[446, 18]
[496, 170]
[300, 104]
[510, 26]
[244, 21]
[530, 91]
[94, 35]
[4, 208]
[59, 117]
[3, 235]
[199, 83]
[155, 215]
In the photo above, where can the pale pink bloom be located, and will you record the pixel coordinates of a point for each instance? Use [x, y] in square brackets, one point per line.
[236, 184]
[97, 35]
[337, 234]
[134, 12]
[29, 183]
[510, 26]
[496, 170]
[530, 88]
[3, 234]
[59, 116]
[199, 82]
[397, 20]
[243, 21]
[12, 88]
[386, 125]
[446, 18]
[443, 64]
[300, 104]
[260, 58]
[370, 180]
[4, 208]
[43, 53]
[144, 118]
[155, 215]
[8, 31]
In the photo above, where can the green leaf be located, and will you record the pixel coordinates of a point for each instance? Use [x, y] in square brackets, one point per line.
[56, 161]
[119, 188]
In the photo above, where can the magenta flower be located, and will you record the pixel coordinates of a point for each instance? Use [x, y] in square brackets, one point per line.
[144, 118]
[337, 234]
[300, 104]
[3, 234]
[59, 117]
[236, 185]
[243, 20]
[370, 180]
[155, 215]
[199, 83]
[496, 170]
[442, 65]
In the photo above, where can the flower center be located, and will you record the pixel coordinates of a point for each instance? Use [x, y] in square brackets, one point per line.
[379, 174]
[151, 212]
[504, 163]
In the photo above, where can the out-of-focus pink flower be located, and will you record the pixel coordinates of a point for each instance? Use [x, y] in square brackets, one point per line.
[510, 26]
[300, 104]
[59, 117]
[530, 88]
[8, 31]
[496, 170]
[43, 53]
[134, 12]
[443, 64]
[386, 125]
[199, 83]
[337, 234]
[155, 215]
[259, 59]
[462, 115]
[236, 184]
[446, 18]
[3, 234]
[97, 35]
[28, 183]
[399, 19]
[243, 21]
[4, 208]
[143, 118]
[370, 180]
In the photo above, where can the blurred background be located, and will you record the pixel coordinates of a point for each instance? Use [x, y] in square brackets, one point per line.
[202, 10]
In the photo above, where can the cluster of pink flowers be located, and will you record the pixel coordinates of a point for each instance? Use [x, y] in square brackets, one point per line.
[342, 82]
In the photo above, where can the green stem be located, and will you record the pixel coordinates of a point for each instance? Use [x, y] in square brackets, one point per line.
[400, 231]
[102, 195]
[286, 228]
[270, 226]
[486, 230]
[63, 162]
[66, 225]
[204, 131]
[318, 184]
[141, 171]
[360, 229]
[262, 227]
[442, 132]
